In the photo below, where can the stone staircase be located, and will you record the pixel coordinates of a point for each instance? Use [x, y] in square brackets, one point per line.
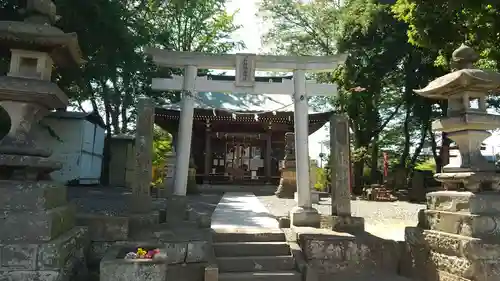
[254, 256]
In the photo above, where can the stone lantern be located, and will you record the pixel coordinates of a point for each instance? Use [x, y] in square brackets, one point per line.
[39, 239]
[466, 126]
[458, 234]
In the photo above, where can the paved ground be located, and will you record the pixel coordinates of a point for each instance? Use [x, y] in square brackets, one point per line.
[240, 211]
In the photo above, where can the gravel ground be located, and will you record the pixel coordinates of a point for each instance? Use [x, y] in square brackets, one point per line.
[373, 212]
[384, 219]
[114, 201]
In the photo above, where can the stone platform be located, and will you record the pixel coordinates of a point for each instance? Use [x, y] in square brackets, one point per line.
[248, 243]
[245, 234]
[242, 212]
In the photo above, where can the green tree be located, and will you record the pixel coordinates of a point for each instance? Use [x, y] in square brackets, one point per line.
[442, 26]
[377, 79]
[112, 36]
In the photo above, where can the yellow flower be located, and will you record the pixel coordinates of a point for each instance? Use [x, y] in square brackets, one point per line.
[141, 252]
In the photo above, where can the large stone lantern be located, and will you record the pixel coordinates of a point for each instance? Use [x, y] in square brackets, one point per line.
[466, 125]
[458, 234]
[39, 239]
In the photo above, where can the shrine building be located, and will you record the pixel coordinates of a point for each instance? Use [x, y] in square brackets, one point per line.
[238, 138]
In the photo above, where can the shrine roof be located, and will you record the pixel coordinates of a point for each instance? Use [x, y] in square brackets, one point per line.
[240, 102]
[238, 108]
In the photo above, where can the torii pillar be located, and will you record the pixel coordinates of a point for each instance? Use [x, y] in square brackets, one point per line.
[246, 65]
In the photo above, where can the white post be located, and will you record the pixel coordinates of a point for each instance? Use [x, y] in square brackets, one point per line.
[185, 131]
[304, 214]
[301, 118]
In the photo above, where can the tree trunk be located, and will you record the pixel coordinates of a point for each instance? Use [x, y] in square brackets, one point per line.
[406, 131]
[358, 168]
[437, 160]
[444, 153]
[106, 157]
[418, 150]
[374, 171]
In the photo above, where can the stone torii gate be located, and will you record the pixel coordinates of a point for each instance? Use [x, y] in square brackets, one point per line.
[245, 66]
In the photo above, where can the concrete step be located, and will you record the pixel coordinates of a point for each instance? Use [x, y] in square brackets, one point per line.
[255, 264]
[242, 249]
[261, 276]
[248, 237]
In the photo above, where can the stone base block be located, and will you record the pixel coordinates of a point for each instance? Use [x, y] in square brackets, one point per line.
[415, 254]
[26, 275]
[314, 197]
[105, 228]
[32, 196]
[139, 222]
[117, 269]
[333, 254]
[36, 226]
[189, 271]
[445, 276]
[346, 223]
[305, 217]
[464, 202]
[177, 208]
[46, 256]
[486, 227]
[97, 251]
[478, 270]
[62, 257]
[435, 256]
[166, 233]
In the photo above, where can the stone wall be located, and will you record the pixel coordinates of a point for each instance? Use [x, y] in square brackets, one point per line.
[106, 230]
[341, 255]
[456, 239]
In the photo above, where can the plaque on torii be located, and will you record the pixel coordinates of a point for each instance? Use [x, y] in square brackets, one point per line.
[245, 70]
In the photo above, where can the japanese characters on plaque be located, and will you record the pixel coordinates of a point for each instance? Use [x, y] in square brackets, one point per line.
[245, 70]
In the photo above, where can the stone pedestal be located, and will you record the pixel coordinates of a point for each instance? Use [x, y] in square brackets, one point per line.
[305, 217]
[38, 232]
[288, 180]
[458, 238]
